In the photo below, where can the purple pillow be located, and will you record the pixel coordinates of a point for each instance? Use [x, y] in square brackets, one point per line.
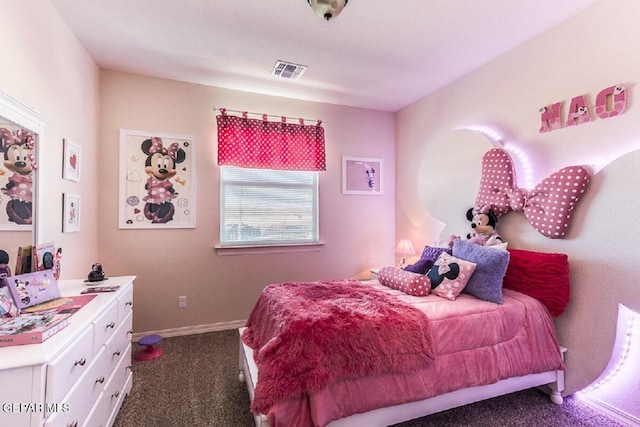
[491, 265]
[432, 253]
[428, 257]
[421, 267]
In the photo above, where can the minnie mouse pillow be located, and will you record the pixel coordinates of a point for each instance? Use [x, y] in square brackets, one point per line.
[449, 275]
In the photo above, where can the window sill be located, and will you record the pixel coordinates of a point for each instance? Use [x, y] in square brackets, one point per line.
[268, 249]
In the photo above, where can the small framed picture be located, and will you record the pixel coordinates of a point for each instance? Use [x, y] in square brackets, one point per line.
[71, 213]
[71, 166]
[362, 175]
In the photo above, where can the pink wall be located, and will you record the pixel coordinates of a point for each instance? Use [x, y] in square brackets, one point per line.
[45, 68]
[51, 72]
[357, 231]
[584, 55]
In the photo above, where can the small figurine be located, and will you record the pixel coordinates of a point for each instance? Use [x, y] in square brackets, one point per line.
[56, 264]
[97, 273]
[5, 270]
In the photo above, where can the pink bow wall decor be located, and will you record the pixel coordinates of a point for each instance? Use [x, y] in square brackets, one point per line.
[547, 207]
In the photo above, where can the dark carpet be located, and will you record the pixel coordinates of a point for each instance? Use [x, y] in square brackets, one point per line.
[195, 383]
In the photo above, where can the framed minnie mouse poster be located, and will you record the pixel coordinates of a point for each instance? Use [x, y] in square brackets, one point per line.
[157, 180]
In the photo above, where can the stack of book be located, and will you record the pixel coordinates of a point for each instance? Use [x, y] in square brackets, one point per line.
[35, 258]
[31, 328]
[38, 323]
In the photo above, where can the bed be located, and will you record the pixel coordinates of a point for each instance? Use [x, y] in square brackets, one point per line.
[498, 348]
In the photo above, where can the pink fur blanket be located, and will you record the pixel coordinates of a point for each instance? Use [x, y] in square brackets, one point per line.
[307, 335]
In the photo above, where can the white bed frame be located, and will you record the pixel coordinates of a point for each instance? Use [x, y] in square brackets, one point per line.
[553, 380]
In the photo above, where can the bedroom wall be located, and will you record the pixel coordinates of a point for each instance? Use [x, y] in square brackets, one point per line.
[594, 50]
[357, 231]
[51, 72]
[45, 68]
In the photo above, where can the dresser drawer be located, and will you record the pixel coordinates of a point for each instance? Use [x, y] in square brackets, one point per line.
[99, 414]
[117, 345]
[82, 397]
[110, 400]
[66, 369]
[105, 326]
[125, 303]
[119, 385]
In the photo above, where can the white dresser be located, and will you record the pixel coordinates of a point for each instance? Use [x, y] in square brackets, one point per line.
[79, 376]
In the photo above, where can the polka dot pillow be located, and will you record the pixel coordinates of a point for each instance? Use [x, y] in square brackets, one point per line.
[449, 275]
[410, 283]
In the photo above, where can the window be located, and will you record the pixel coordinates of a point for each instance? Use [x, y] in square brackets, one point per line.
[268, 207]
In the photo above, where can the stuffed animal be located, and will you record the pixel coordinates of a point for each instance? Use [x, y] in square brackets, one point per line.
[97, 273]
[5, 270]
[483, 227]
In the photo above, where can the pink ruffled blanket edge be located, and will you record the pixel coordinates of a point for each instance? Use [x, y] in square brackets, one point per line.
[307, 335]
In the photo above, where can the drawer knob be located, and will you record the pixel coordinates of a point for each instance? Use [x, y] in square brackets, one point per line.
[130, 331]
[80, 362]
[116, 353]
[100, 380]
[128, 303]
[116, 394]
[73, 424]
[111, 325]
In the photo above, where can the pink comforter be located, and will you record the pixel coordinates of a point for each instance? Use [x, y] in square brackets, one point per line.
[308, 335]
[476, 343]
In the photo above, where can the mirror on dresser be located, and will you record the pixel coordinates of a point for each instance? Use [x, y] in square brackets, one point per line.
[21, 132]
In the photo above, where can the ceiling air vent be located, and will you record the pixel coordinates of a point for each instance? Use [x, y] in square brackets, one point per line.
[287, 70]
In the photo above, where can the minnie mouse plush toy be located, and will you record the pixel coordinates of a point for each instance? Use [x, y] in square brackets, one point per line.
[483, 227]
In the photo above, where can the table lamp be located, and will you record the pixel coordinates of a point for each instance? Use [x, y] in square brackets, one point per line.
[405, 248]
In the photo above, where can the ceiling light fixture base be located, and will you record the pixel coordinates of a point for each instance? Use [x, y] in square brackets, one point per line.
[327, 9]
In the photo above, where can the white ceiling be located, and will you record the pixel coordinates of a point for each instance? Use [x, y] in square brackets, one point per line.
[378, 54]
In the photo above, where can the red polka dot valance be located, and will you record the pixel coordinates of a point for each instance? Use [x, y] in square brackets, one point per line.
[264, 144]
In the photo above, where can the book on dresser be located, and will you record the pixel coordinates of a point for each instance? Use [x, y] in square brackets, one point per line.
[23, 260]
[31, 328]
[38, 323]
[30, 289]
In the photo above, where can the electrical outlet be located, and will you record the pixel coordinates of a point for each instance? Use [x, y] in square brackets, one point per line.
[182, 301]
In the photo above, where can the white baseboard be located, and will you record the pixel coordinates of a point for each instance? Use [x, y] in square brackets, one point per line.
[615, 413]
[190, 330]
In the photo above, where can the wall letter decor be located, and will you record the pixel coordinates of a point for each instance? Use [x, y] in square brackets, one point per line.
[618, 105]
[578, 112]
[610, 102]
[550, 118]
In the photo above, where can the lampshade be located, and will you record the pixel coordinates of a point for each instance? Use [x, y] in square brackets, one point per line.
[327, 9]
[405, 247]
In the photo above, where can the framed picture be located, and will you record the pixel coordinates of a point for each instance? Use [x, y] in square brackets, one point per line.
[71, 166]
[71, 213]
[362, 175]
[157, 180]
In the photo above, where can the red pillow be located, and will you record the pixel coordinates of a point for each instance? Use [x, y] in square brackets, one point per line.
[544, 276]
